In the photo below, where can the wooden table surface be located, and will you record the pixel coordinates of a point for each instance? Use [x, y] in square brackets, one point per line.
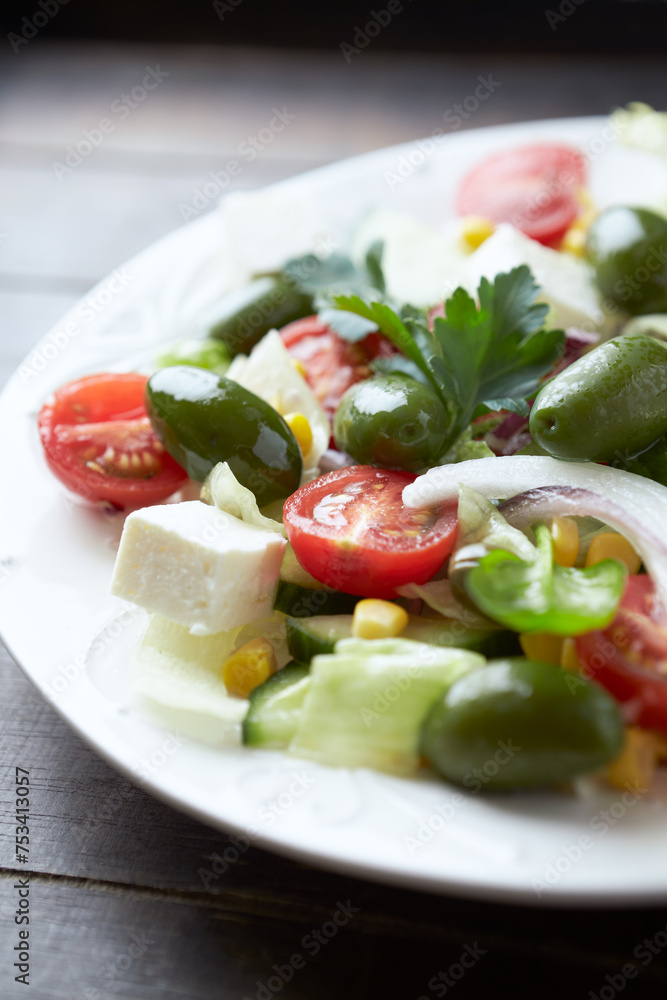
[119, 906]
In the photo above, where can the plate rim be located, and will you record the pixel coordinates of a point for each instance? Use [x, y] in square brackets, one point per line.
[559, 896]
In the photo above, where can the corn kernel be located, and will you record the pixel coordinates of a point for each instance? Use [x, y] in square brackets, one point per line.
[300, 367]
[300, 428]
[565, 536]
[585, 200]
[569, 658]
[376, 619]
[475, 229]
[249, 666]
[574, 241]
[637, 761]
[610, 545]
[542, 646]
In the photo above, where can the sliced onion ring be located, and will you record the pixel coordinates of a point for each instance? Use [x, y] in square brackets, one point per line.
[636, 507]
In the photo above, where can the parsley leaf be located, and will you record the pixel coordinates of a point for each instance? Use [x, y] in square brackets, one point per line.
[389, 323]
[373, 262]
[320, 277]
[478, 358]
[493, 357]
[312, 274]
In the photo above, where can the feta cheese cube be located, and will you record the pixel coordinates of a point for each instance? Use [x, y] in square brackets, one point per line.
[198, 566]
[567, 282]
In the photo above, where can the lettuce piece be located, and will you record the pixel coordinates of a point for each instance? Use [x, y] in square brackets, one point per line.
[465, 449]
[366, 702]
[178, 676]
[269, 372]
[641, 127]
[208, 353]
[223, 490]
[538, 596]
[482, 528]
[438, 595]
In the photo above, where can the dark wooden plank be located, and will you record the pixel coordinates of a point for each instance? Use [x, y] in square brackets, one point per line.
[134, 944]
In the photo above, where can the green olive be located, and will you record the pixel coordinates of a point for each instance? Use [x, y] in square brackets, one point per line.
[266, 304]
[393, 421]
[627, 248]
[610, 404]
[518, 723]
[203, 418]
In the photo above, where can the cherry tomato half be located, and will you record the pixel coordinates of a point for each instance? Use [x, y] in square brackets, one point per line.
[533, 187]
[99, 442]
[629, 657]
[350, 530]
[331, 364]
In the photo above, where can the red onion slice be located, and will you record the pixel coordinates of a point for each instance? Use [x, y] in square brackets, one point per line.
[333, 460]
[633, 505]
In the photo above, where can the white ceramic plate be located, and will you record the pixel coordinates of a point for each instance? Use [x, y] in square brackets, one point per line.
[57, 556]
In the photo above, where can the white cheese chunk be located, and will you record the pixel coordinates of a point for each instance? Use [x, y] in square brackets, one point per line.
[421, 265]
[197, 566]
[567, 282]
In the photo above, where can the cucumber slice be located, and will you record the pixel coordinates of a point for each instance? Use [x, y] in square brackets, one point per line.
[309, 637]
[291, 571]
[366, 703]
[299, 594]
[302, 602]
[275, 707]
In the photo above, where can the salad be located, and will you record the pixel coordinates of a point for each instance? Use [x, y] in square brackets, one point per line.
[408, 532]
